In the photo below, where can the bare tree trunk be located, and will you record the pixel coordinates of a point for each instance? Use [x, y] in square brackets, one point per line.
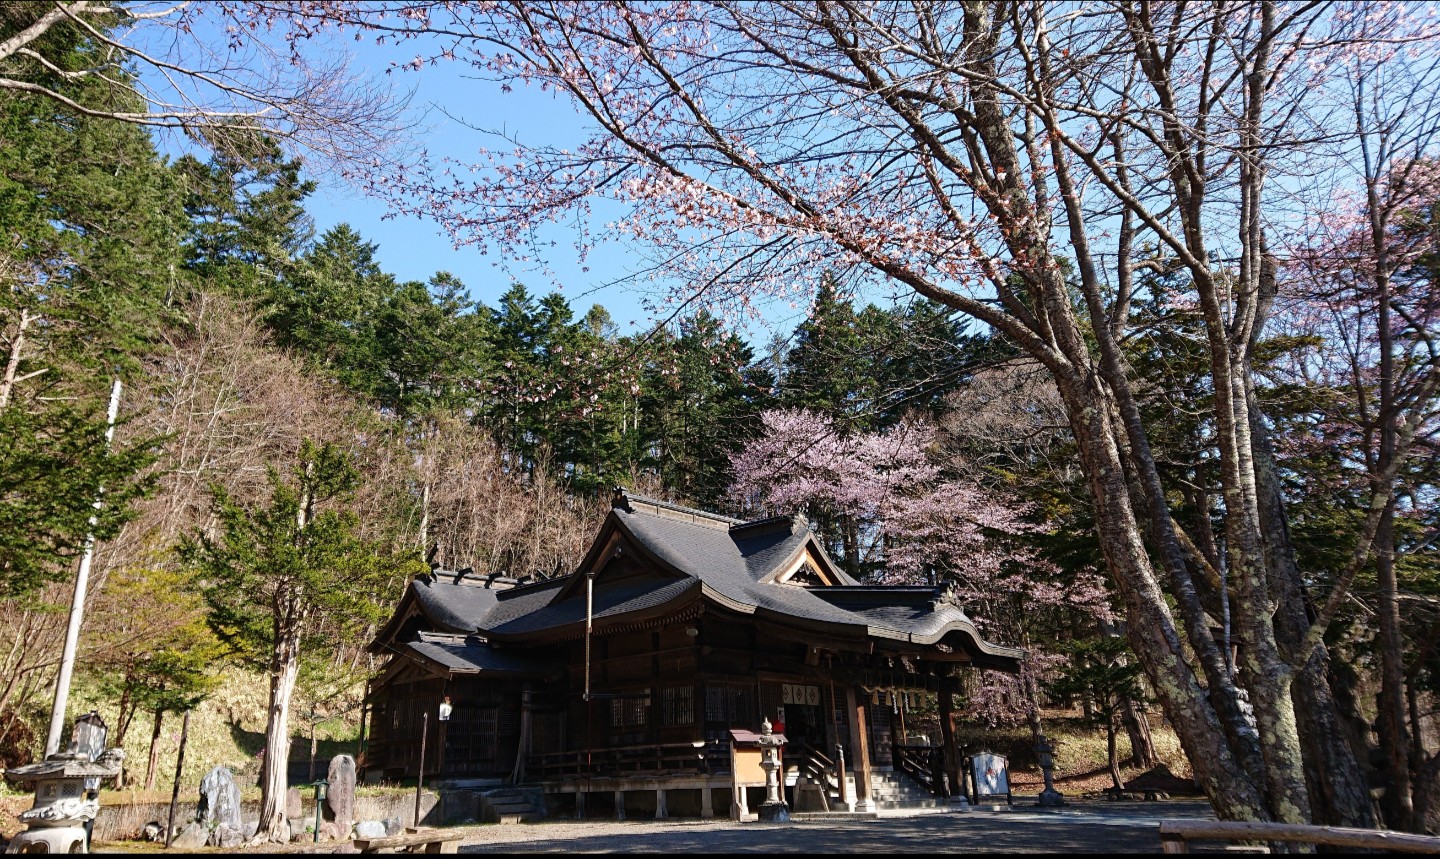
[1111, 730]
[1427, 794]
[1339, 790]
[154, 761]
[1142, 745]
[1390, 720]
[274, 782]
[1150, 627]
[12, 361]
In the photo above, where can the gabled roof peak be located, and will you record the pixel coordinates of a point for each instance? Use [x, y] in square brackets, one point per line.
[625, 500]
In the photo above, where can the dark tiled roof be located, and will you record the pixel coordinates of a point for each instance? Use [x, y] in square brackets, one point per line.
[453, 607]
[461, 655]
[610, 601]
[725, 560]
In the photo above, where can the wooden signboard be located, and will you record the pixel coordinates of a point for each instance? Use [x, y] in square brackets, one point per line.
[990, 775]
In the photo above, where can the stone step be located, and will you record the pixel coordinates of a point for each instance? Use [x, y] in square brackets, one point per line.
[508, 805]
[925, 803]
[833, 815]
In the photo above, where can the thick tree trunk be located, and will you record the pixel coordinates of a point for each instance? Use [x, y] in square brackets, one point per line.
[1427, 795]
[1338, 788]
[154, 761]
[1142, 744]
[1390, 720]
[1113, 748]
[284, 667]
[1150, 627]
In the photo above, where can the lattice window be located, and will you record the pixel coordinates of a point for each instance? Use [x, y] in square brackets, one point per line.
[731, 706]
[632, 711]
[677, 705]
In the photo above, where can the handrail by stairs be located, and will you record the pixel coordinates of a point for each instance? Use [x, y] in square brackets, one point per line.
[925, 765]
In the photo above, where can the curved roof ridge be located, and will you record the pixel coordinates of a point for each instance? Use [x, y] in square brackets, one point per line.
[624, 499]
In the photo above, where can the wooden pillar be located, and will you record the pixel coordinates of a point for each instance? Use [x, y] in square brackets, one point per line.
[832, 733]
[662, 809]
[739, 803]
[897, 729]
[619, 805]
[953, 767]
[522, 750]
[707, 802]
[579, 805]
[859, 748]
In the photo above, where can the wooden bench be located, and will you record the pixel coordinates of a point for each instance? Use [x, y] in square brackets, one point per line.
[1176, 835]
[424, 841]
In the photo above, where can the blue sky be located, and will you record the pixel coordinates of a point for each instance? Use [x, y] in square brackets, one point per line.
[414, 249]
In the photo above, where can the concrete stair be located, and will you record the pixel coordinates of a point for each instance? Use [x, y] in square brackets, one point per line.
[890, 791]
[894, 792]
[511, 805]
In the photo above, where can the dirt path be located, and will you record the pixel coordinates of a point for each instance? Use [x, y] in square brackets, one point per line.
[1080, 828]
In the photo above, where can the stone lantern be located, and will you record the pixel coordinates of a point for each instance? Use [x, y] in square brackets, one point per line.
[63, 805]
[1049, 797]
[773, 809]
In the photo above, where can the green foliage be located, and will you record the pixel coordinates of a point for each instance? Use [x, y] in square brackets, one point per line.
[53, 465]
[701, 399]
[154, 652]
[88, 227]
[1103, 671]
[246, 220]
[294, 566]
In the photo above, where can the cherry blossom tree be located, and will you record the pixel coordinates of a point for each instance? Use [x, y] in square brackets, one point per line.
[1014, 161]
[917, 526]
[1362, 275]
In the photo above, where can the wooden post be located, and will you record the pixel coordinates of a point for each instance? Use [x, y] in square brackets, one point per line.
[312, 745]
[175, 791]
[662, 811]
[364, 716]
[859, 749]
[527, 725]
[954, 769]
[619, 805]
[833, 736]
[420, 778]
[707, 802]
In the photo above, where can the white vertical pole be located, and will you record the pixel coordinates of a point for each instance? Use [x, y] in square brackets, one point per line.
[77, 604]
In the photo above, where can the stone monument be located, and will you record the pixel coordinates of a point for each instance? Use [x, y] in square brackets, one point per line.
[219, 808]
[340, 798]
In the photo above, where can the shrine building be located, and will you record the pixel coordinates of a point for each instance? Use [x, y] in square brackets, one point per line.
[678, 628]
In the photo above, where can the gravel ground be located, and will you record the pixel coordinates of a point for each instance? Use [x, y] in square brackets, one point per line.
[1102, 827]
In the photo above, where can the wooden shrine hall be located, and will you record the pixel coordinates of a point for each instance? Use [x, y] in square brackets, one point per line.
[630, 674]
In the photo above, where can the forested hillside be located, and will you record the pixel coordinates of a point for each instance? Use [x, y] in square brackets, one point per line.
[301, 432]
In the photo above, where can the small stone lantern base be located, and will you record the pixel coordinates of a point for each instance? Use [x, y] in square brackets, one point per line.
[1049, 797]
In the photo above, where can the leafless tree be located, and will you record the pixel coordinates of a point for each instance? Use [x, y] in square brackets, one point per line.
[206, 69]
